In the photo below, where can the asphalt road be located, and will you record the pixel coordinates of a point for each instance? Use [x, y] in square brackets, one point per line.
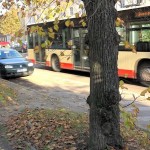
[73, 87]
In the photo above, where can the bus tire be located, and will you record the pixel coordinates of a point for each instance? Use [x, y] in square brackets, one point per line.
[143, 74]
[55, 64]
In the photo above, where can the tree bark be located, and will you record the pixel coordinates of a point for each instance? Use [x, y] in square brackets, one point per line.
[104, 83]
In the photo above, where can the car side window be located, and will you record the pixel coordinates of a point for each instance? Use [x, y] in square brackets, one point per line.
[14, 54]
[2, 55]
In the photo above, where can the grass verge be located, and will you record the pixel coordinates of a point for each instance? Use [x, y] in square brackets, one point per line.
[7, 95]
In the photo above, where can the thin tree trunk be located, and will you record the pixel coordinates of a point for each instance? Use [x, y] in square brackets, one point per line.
[104, 83]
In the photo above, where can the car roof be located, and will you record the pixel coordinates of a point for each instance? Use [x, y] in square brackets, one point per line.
[7, 49]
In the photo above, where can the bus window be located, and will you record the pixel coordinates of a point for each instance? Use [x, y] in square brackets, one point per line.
[134, 34]
[30, 41]
[67, 39]
[76, 38]
[140, 37]
[36, 39]
[57, 42]
[123, 38]
[42, 40]
[146, 33]
[122, 33]
[61, 39]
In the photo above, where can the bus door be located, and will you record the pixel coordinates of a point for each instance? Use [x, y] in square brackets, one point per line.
[40, 54]
[81, 60]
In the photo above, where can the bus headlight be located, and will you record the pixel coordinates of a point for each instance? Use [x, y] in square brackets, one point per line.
[8, 66]
[30, 64]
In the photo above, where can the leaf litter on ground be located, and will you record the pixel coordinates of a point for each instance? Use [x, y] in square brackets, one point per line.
[48, 129]
[44, 129]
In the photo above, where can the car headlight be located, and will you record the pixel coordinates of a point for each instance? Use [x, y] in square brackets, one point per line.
[8, 66]
[30, 64]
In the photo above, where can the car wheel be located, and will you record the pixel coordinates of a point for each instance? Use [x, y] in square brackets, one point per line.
[55, 64]
[144, 74]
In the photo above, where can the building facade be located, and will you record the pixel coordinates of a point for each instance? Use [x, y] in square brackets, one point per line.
[131, 4]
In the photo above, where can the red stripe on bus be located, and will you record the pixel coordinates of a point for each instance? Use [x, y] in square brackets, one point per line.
[62, 65]
[126, 73]
[48, 63]
[32, 60]
[66, 66]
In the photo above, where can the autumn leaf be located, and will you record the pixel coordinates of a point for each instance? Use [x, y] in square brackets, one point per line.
[81, 6]
[77, 15]
[69, 43]
[57, 10]
[43, 45]
[4, 4]
[50, 29]
[83, 15]
[119, 22]
[57, 2]
[148, 98]
[121, 82]
[144, 92]
[71, 24]
[51, 35]
[61, 53]
[56, 27]
[148, 89]
[27, 2]
[68, 58]
[67, 23]
[83, 24]
[133, 48]
[127, 45]
[36, 49]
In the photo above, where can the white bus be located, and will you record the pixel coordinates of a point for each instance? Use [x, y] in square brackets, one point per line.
[136, 30]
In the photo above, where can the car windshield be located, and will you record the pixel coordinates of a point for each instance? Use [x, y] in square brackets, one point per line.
[8, 54]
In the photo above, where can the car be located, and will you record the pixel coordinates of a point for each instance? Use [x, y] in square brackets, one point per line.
[13, 64]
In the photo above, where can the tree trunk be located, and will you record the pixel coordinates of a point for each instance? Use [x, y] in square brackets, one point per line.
[104, 83]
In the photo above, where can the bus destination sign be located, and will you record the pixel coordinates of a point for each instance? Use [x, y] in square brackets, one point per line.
[142, 14]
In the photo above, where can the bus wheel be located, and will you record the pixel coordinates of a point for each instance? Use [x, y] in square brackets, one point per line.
[55, 64]
[144, 74]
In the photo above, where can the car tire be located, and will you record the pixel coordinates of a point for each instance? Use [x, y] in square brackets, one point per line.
[55, 64]
[143, 73]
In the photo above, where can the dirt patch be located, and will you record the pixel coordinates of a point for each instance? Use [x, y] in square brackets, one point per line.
[4, 142]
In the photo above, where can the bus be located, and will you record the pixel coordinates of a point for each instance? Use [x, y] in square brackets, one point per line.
[61, 55]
